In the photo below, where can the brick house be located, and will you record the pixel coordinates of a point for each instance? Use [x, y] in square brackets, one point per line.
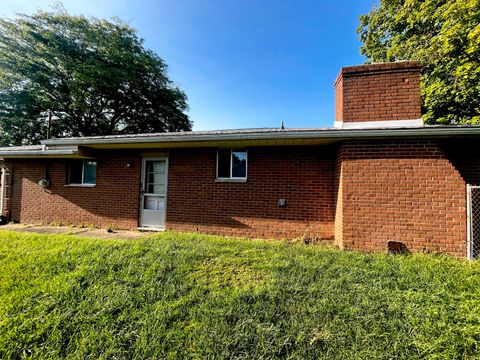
[378, 176]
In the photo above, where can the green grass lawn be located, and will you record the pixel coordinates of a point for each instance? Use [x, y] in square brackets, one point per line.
[192, 296]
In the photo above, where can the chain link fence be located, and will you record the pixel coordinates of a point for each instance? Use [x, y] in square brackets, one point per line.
[473, 219]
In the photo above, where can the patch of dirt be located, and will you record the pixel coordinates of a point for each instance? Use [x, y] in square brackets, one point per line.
[69, 230]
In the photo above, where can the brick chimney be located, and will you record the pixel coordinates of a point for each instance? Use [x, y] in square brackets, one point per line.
[378, 95]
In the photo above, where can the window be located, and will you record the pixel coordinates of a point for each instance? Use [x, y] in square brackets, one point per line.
[155, 177]
[231, 164]
[82, 172]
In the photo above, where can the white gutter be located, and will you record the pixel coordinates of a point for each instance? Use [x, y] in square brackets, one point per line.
[332, 134]
[37, 153]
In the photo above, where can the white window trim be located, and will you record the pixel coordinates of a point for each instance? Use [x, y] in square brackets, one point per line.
[234, 180]
[82, 184]
[231, 178]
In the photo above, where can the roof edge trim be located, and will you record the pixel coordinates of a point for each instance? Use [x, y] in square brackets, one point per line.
[332, 134]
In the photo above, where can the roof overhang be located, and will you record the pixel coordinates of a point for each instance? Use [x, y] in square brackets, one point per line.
[65, 152]
[84, 147]
[264, 138]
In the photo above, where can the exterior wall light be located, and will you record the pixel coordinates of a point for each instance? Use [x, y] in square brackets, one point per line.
[44, 183]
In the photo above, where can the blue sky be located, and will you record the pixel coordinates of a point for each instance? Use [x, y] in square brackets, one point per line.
[243, 63]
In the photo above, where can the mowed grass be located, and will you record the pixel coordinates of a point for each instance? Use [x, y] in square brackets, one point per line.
[193, 296]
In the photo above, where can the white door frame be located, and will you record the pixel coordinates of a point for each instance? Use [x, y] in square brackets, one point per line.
[142, 193]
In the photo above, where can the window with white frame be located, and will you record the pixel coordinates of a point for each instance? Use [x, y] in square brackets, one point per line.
[82, 172]
[232, 164]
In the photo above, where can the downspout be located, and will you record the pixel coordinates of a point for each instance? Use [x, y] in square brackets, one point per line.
[9, 209]
[46, 173]
[2, 195]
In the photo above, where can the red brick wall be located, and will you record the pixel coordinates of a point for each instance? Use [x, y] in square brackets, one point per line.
[363, 194]
[378, 92]
[304, 176]
[112, 202]
[406, 191]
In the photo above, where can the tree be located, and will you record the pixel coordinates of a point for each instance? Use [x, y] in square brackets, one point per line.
[445, 36]
[94, 75]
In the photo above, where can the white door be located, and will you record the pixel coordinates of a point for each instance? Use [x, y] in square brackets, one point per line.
[154, 193]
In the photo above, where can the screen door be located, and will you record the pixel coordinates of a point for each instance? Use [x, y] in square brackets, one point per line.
[154, 193]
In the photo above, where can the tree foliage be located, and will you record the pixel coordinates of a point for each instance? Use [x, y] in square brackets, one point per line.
[445, 36]
[94, 75]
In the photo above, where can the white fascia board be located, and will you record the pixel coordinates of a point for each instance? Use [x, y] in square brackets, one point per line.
[44, 152]
[415, 123]
[36, 153]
